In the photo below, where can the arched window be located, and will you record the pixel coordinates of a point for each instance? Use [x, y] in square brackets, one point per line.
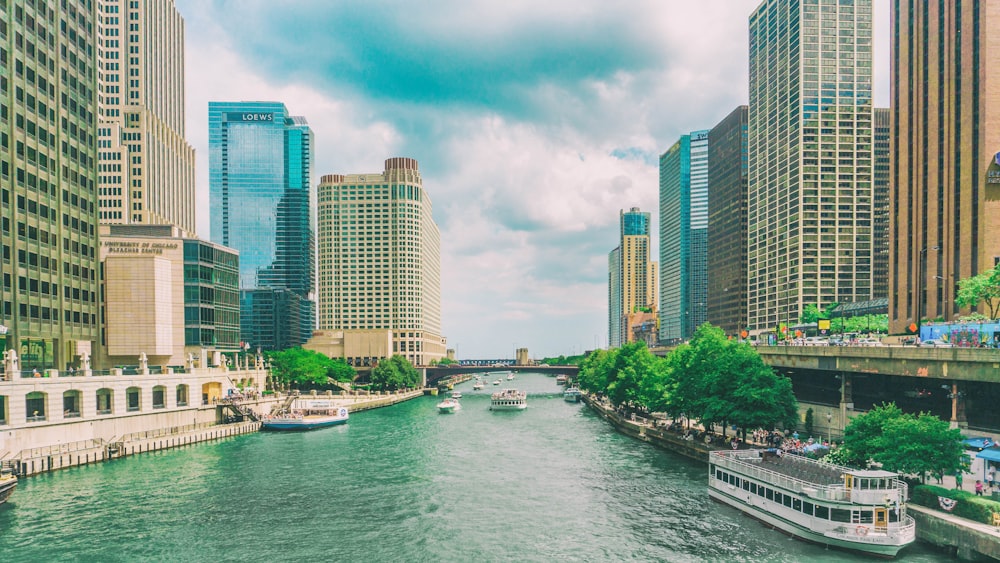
[159, 397]
[105, 401]
[182, 395]
[72, 401]
[34, 405]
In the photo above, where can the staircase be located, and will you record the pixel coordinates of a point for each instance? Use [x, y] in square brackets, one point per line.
[285, 406]
[242, 411]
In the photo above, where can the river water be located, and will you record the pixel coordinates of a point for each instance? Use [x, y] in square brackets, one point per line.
[404, 483]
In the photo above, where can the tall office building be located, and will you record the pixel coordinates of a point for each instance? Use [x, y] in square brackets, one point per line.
[810, 151]
[945, 179]
[48, 193]
[146, 165]
[880, 204]
[260, 162]
[631, 277]
[684, 237]
[379, 259]
[727, 223]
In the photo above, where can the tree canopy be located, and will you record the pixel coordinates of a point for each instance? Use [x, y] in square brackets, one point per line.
[983, 288]
[395, 373]
[906, 443]
[299, 366]
[712, 380]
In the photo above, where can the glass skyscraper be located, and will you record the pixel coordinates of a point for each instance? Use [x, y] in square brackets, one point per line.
[260, 162]
[683, 237]
[631, 276]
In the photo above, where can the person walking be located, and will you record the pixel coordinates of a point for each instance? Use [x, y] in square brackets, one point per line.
[979, 488]
[958, 479]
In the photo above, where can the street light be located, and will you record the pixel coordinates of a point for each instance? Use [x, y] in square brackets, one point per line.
[922, 284]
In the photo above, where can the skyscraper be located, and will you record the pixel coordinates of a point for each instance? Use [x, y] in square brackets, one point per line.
[48, 193]
[880, 204]
[380, 258]
[944, 215]
[810, 158]
[727, 223]
[146, 165]
[260, 161]
[683, 237]
[631, 276]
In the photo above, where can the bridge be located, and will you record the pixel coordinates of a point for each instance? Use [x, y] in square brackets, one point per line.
[437, 373]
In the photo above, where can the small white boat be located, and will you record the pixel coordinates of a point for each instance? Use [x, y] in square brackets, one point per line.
[561, 380]
[510, 376]
[572, 395]
[456, 394]
[477, 386]
[509, 400]
[497, 382]
[449, 405]
[307, 414]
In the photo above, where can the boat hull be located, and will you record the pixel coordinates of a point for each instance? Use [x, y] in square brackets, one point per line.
[7, 487]
[302, 424]
[801, 532]
[519, 407]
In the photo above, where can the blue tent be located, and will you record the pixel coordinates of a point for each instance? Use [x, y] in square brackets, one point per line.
[989, 454]
[978, 443]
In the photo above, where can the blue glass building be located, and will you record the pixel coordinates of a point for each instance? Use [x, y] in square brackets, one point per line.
[260, 161]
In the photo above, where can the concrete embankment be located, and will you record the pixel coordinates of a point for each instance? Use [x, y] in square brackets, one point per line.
[967, 540]
[368, 402]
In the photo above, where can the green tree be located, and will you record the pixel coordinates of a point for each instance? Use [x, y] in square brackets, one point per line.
[809, 423]
[983, 288]
[903, 442]
[395, 373]
[298, 366]
[811, 314]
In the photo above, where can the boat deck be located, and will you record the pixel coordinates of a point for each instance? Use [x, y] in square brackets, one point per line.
[794, 466]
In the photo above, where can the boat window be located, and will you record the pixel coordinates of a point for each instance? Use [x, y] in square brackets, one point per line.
[840, 515]
[822, 512]
[866, 517]
[797, 505]
[770, 494]
[746, 485]
[893, 515]
[718, 474]
[807, 508]
[753, 488]
[760, 490]
[777, 497]
[787, 501]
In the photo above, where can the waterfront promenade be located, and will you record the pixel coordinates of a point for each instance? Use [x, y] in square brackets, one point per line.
[968, 539]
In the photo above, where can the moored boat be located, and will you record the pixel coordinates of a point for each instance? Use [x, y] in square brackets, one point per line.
[509, 400]
[8, 483]
[449, 405]
[306, 414]
[497, 382]
[858, 510]
[510, 376]
[572, 394]
[561, 379]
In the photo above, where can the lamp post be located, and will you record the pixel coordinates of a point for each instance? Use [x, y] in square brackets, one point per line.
[922, 285]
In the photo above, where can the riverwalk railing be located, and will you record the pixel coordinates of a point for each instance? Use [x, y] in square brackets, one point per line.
[162, 432]
[57, 449]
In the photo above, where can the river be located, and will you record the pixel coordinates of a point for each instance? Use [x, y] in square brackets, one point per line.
[404, 483]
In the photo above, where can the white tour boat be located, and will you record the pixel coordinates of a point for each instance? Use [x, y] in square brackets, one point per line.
[509, 400]
[561, 380]
[497, 382]
[456, 394]
[477, 385]
[510, 376]
[449, 405]
[859, 510]
[307, 414]
[572, 395]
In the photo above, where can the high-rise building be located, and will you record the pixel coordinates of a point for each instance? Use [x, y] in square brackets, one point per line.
[810, 158]
[146, 165]
[727, 223]
[880, 204]
[48, 192]
[379, 259]
[631, 276]
[684, 237]
[944, 215]
[260, 162]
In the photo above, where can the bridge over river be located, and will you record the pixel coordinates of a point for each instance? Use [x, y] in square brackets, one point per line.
[435, 374]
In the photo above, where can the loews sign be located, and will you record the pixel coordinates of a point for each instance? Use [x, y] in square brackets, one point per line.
[245, 116]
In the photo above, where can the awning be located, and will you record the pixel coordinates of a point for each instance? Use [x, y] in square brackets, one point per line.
[978, 442]
[989, 454]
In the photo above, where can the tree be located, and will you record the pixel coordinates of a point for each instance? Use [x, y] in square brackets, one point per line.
[811, 314]
[983, 288]
[395, 373]
[809, 422]
[298, 366]
[903, 442]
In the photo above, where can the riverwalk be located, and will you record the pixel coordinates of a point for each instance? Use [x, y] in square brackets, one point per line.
[967, 539]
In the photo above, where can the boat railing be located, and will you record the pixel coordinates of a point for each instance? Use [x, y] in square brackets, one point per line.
[748, 463]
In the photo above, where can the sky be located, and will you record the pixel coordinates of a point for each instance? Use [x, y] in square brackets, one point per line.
[534, 124]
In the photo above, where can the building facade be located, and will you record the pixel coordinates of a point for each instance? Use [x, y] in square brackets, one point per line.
[683, 237]
[727, 223]
[146, 165]
[631, 276]
[167, 295]
[48, 192]
[379, 259]
[944, 213]
[810, 158]
[260, 163]
[880, 203]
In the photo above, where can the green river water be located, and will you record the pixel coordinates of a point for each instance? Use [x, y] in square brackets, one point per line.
[404, 483]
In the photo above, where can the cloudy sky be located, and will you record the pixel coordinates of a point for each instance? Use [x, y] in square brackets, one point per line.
[533, 122]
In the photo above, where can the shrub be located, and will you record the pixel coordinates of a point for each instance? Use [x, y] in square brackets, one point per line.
[969, 505]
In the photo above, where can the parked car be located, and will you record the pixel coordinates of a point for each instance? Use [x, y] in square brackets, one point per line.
[815, 341]
[935, 343]
[868, 342]
[836, 341]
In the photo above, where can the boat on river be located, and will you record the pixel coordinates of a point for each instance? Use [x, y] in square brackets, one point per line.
[456, 394]
[8, 482]
[306, 414]
[572, 395]
[509, 400]
[857, 510]
[449, 405]
[477, 386]
[510, 376]
[561, 380]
